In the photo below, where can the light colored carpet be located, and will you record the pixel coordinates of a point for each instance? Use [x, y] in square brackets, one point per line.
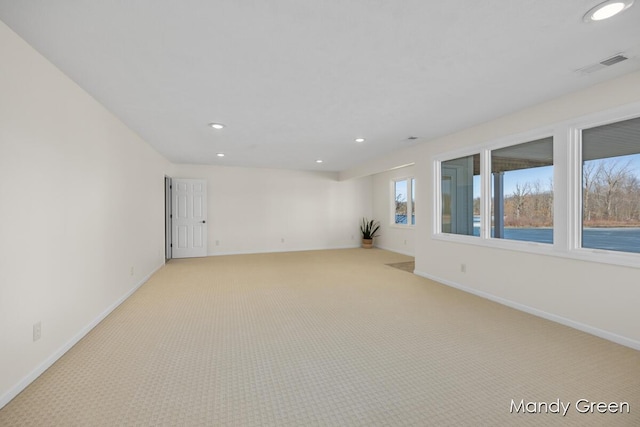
[324, 338]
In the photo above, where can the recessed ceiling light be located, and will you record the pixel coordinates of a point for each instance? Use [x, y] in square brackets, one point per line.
[216, 125]
[607, 10]
[318, 161]
[359, 139]
[220, 154]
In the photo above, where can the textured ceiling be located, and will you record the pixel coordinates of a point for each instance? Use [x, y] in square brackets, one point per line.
[296, 81]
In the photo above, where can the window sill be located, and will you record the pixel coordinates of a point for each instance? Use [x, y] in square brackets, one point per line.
[403, 226]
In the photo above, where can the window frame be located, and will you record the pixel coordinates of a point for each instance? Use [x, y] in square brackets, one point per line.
[575, 144]
[567, 184]
[437, 217]
[532, 137]
[410, 180]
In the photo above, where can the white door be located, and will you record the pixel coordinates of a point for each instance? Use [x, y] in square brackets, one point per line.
[189, 218]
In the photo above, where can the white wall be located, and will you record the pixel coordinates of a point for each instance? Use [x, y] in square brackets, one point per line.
[392, 237]
[82, 204]
[596, 297]
[252, 210]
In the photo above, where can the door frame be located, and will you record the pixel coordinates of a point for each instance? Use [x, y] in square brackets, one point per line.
[167, 218]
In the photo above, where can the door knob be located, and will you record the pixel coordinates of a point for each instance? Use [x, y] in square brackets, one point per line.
[204, 221]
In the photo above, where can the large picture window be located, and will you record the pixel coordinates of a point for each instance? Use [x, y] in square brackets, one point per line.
[522, 191]
[611, 187]
[459, 188]
[571, 190]
[404, 201]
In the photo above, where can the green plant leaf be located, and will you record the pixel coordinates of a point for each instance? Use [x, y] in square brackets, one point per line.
[369, 228]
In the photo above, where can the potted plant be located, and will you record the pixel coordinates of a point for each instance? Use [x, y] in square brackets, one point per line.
[368, 229]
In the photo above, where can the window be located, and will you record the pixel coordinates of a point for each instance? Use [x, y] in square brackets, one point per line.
[507, 193]
[521, 186]
[459, 187]
[611, 187]
[413, 201]
[522, 191]
[404, 201]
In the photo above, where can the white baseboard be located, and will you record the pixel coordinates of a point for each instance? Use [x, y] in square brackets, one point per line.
[22, 384]
[610, 336]
[274, 251]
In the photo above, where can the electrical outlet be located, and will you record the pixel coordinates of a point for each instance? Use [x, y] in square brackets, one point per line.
[37, 331]
[217, 242]
[405, 242]
[131, 271]
[463, 268]
[282, 240]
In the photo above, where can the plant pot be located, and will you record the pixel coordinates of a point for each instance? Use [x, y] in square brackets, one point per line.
[367, 243]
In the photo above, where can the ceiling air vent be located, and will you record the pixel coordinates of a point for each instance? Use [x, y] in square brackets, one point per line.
[614, 60]
[603, 64]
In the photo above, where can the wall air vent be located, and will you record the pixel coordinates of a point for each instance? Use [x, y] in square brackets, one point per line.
[603, 64]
